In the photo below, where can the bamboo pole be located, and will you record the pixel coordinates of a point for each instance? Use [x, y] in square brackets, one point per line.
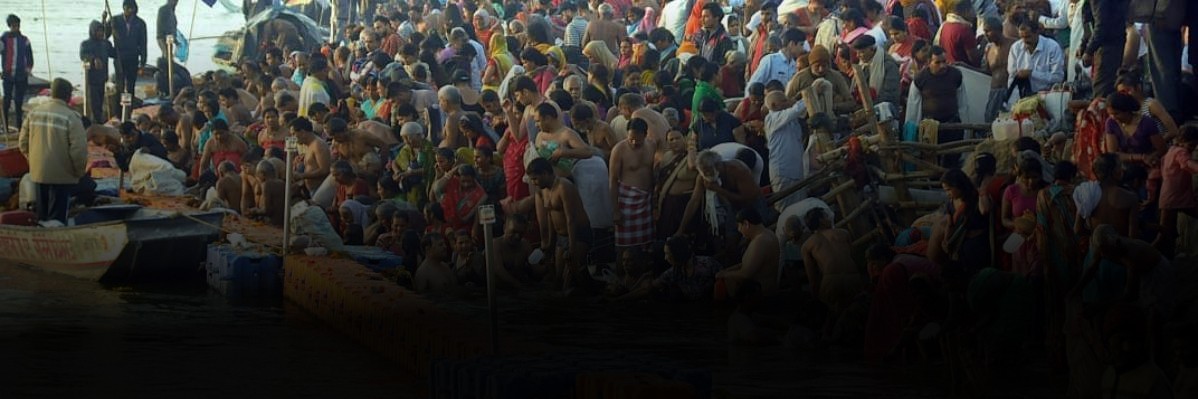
[839, 189]
[194, 6]
[870, 236]
[46, 32]
[852, 216]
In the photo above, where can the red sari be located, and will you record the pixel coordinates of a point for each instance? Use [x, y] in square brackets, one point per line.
[458, 204]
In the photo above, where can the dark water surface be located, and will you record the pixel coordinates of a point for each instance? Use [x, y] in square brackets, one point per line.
[65, 337]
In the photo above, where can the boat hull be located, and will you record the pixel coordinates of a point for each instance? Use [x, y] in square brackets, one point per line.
[84, 251]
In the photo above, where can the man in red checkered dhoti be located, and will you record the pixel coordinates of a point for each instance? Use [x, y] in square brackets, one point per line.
[630, 177]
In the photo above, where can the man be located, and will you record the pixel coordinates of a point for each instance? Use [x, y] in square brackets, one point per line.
[269, 202]
[630, 180]
[133, 139]
[434, 275]
[761, 259]
[1069, 15]
[715, 126]
[606, 29]
[350, 187]
[356, 146]
[129, 37]
[316, 159]
[1036, 62]
[577, 26]
[713, 41]
[1165, 45]
[596, 133]
[730, 183]
[231, 105]
[998, 48]
[828, 258]
[632, 105]
[16, 54]
[167, 25]
[881, 72]
[55, 143]
[565, 229]
[451, 105]
[315, 87]
[673, 18]
[784, 138]
[527, 94]
[459, 39]
[573, 85]
[228, 185]
[938, 85]
[391, 40]
[782, 65]
[178, 155]
[95, 52]
[958, 37]
[1106, 41]
[875, 13]
[819, 68]
[667, 48]
[761, 34]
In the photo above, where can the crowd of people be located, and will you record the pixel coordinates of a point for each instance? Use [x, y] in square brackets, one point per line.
[647, 135]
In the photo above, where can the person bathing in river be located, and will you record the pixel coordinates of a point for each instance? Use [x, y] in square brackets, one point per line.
[565, 229]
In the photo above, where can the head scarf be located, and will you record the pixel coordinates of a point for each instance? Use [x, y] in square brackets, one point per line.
[499, 53]
[360, 213]
[819, 54]
[598, 50]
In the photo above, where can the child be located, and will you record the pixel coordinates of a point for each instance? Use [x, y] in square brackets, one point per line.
[392, 240]
[1177, 190]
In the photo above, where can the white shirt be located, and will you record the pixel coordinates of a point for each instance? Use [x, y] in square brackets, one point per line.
[773, 66]
[1068, 15]
[1046, 63]
[477, 65]
[673, 18]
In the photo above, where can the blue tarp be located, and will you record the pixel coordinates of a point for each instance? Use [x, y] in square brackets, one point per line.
[182, 47]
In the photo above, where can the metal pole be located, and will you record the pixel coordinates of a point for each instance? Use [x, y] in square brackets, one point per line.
[170, 67]
[291, 148]
[46, 32]
[192, 29]
[486, 216]
[87, 94]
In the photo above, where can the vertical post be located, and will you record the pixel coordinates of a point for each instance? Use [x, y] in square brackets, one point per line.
[291, 148]
[87, 94]
[192, 29]
[170, 66]
[486, 216]
[126, 105]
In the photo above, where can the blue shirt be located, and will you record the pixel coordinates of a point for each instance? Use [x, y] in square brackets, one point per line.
[784, 138]
[774, 66]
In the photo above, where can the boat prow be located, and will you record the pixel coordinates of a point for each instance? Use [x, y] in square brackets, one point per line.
[133, 241]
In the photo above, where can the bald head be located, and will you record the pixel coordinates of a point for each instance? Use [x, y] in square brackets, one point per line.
[776, 101]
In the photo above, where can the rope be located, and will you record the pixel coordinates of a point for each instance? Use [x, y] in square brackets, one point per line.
[46, 32]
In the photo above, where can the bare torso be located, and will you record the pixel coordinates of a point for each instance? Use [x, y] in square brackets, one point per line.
[555, 199]
[658, 126]
[1116, 208]
[996, 59]
[635, 164]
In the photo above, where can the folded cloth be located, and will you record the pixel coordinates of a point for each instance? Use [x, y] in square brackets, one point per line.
[1086, 196]
[635, 207]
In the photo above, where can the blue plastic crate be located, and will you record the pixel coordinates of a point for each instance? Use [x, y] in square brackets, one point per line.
[244, 274]
[379, 262]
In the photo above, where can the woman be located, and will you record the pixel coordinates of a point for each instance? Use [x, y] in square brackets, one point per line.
[625, 58]
[598, 89]
[676, 177]
[538, 68]
[463, 195]
[902, 43]
[272, 135]
[540, 37]
[963, 242]
[499, 63]
[751, 110]
[1134, 137]
[414, 164]
[1130, 84]
[224, 146]
[650, 64]
[597, 53]
[490, 176]
[1019, 210]
[705, 90]
[477, 132]
[1060, 252]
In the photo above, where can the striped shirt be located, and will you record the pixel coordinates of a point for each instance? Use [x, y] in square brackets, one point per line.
[575, 31]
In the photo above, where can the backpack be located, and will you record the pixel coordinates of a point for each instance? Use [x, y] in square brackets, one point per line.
[1087, 142]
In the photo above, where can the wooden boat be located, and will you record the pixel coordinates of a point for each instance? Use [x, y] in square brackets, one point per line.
[116, 242]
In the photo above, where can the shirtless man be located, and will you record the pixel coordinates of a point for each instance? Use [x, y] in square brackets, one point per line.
[380, 131]
[827, 256]
[1117, 207]
[470, 263]
[565, 229]
[760, 262]
[598, 133]
[316, 157]
[434, 275]
[630, 180]
[357, 147]
[632, 105]
[995, 61]
[731, 181]
[230, 102]
[269, 195]
[514, 250]
[228, 185]
[606, 29]
[451, 105]
[569, 144]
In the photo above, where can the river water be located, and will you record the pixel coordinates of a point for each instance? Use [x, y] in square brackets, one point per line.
[66, 26]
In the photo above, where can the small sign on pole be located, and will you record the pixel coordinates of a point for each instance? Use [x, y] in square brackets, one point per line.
[486, 214]
[126, 103]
